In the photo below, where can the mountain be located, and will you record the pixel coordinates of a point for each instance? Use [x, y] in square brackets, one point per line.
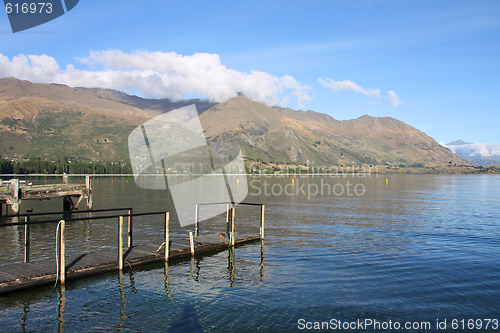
[276, 134]
[479, 154]
[458, 142]
[52, 120]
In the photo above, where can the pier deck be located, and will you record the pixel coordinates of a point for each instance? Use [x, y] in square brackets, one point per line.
[13, 192]
[19, 276]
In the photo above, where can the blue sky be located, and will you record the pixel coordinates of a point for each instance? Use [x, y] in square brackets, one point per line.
[432, 64]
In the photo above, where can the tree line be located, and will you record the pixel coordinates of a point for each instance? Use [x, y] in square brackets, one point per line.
[63, 165]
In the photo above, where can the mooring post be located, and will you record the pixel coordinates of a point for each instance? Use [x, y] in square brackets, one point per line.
[120, 243]
[26, 239]
[62, 260]
[130, 226]
[88, 190]
[262, 208]
[67, 204]
[14, 184]
[191, 243]
[196, 220]
[233, 210]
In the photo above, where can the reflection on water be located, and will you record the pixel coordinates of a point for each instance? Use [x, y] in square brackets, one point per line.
[61, 307]
[414, 248]
[125, 284]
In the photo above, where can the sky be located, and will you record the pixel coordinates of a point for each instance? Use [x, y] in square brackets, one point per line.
[432, 64]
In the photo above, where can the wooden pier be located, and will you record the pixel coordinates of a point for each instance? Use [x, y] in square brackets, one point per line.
[15, 191]
[19, 276]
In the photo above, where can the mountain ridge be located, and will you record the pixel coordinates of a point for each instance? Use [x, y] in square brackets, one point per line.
[50, 120]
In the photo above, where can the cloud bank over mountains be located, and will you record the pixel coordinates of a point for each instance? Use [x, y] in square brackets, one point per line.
[476, 151]
[174, 76]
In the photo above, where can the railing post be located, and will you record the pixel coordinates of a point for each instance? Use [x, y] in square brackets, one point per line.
[233, 210]
[167, 240]
[262, 221]
[191, 243]
[196, 220]
[120, 243]
[62, 248]
[130, 226]
[26, 239]
[227, 218]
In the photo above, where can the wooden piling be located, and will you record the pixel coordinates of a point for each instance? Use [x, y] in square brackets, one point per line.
[262, 221]
[196, 220]
[67, 204]
[15, 203]
[26, 239]
[167, 240]
[191, 243]
[233, 210]
[120, 243]
[62, 248]
[88, 191]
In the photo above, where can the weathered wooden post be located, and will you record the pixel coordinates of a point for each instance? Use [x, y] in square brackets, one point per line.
[16, 202]
[62, 248]
[227, 218]
[262, 221]
[130, 226]
[26, 239]
[167, 240]
[233, 210]
[88, 190]
[120, 243]
[67, 204]
[191, 243]
[196, 220]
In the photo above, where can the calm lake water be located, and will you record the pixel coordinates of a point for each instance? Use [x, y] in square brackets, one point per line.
[418, 249]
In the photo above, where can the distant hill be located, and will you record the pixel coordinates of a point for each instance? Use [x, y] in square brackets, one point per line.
[51, 120]
[458, 142]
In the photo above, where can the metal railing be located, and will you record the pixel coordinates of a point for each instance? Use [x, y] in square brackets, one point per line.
[230, 215]
[61, 263]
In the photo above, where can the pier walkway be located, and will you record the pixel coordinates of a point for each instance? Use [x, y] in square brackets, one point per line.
[19, 276]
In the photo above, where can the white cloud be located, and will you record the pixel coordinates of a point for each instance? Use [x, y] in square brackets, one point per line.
[348, 85]
[484, 150]
[159, 75]
[393, 98]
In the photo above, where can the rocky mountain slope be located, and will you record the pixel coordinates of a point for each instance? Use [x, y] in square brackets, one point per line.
[50, 120]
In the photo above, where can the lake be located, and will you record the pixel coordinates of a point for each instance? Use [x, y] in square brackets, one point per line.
[415, 252]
